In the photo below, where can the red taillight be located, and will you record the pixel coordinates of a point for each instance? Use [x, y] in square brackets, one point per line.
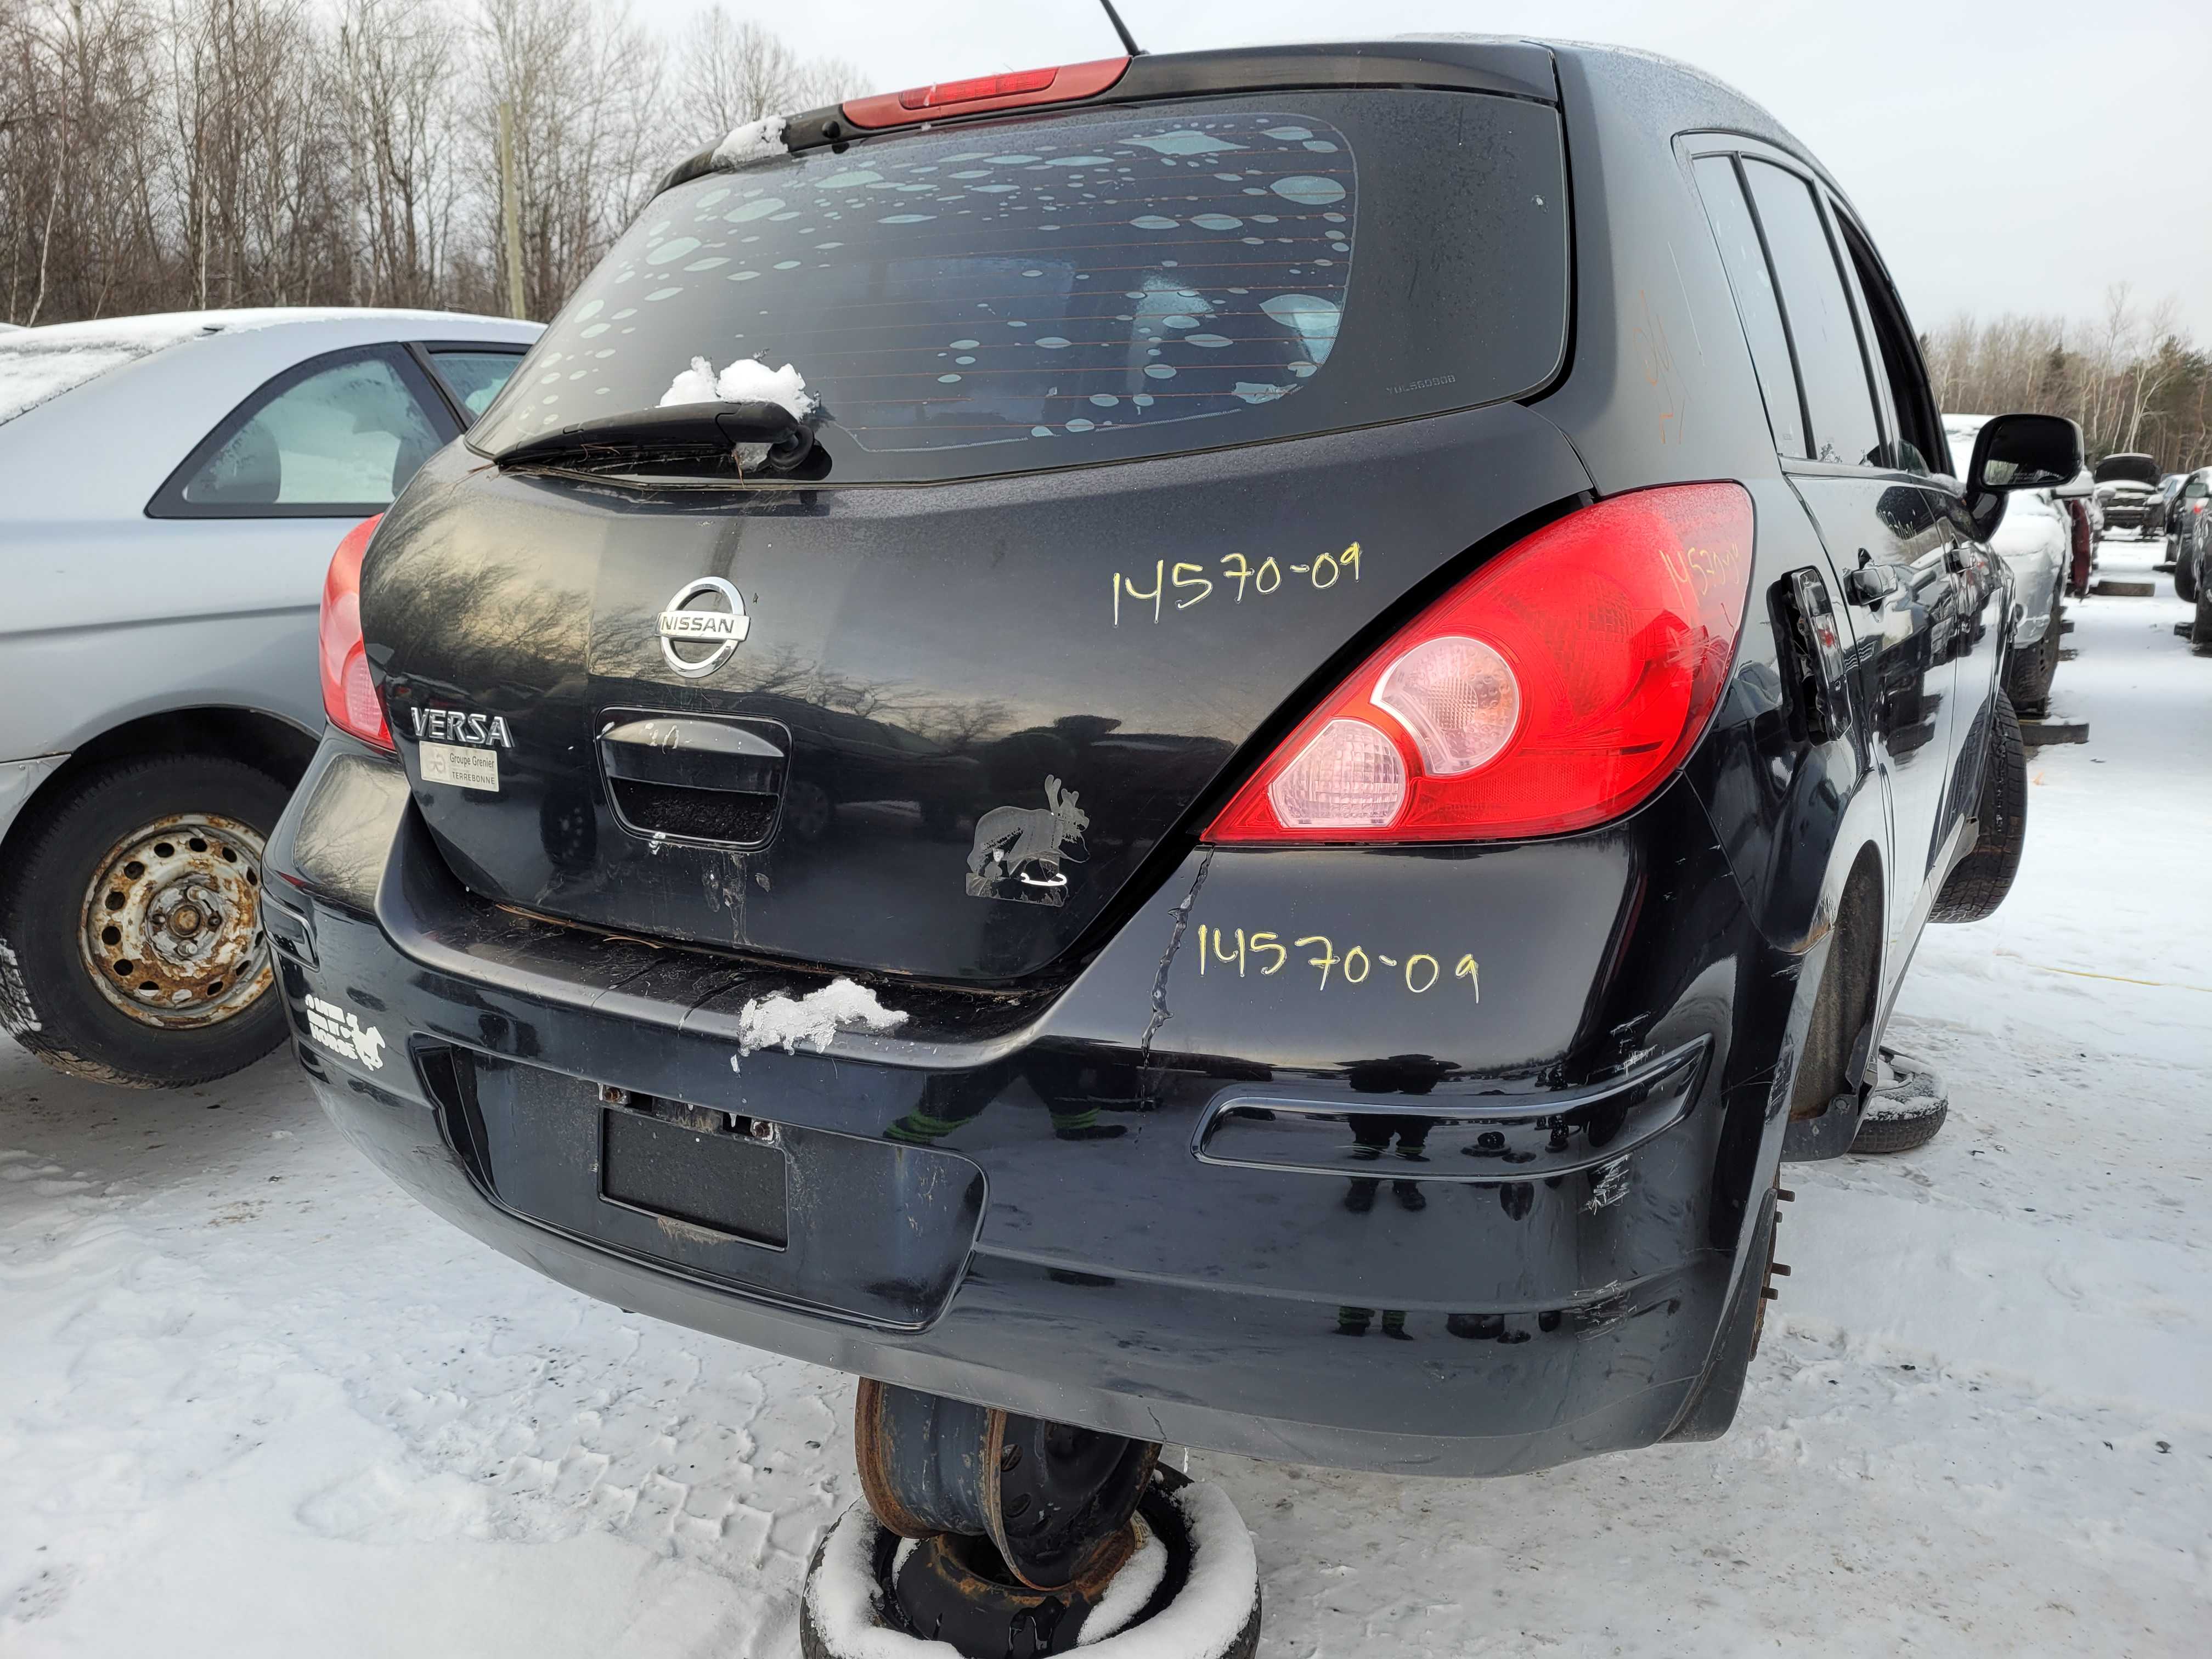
[1554, 689]
[1066, 83]
[349, 694]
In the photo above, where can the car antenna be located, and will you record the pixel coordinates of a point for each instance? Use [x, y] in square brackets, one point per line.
[1128, 40]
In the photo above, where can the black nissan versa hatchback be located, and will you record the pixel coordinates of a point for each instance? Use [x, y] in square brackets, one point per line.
[1333, 716]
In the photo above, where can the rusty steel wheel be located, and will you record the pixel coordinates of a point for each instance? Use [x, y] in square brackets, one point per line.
[1054, 1501]
[132, 949]
[171, 924]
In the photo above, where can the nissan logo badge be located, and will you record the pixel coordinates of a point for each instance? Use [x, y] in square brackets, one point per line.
[718, 631]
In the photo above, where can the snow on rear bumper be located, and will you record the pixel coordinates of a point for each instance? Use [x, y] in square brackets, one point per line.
[1542, 1284]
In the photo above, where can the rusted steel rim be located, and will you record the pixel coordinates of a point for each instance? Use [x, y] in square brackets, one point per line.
[1054, 1500]
[171, 929]
[1057, 1499]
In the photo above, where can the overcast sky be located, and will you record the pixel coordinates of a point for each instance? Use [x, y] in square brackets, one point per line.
[2008, 155]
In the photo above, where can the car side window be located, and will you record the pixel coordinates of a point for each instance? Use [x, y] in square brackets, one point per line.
[1756, 304]
[347, 437]
[1919, 445]
[1838, 398]
[474, 378]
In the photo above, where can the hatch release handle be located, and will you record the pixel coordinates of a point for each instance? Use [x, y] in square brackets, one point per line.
[689, 753]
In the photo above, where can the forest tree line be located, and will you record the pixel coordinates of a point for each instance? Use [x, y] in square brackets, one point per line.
[2131, 376]
[172, 154]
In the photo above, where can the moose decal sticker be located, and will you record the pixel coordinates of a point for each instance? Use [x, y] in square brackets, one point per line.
[1018, 849]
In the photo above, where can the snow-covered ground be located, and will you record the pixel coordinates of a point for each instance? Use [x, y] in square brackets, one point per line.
[253, 1402]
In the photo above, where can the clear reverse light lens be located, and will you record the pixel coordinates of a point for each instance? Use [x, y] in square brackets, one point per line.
[1457, 697]
[1351, 776]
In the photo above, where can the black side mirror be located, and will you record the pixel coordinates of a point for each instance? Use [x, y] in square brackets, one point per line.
[2019, 452]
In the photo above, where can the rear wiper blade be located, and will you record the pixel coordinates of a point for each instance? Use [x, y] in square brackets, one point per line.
[679, 432]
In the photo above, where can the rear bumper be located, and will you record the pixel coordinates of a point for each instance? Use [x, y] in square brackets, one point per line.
[2036, 578]
[1388, 1231]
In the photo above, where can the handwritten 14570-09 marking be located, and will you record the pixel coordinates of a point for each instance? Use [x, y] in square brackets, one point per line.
[1419, 971]
[1183, 579]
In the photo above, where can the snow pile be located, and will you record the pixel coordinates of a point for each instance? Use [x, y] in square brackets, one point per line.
[1204, 1618]
[846, 1600]
[755, 141]
[1131, 1588]
[1206, 1615]
[778, 1022]
[744, 381]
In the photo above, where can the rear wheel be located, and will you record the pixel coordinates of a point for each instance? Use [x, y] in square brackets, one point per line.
[1980, 881]
[2200, 630]
[2184, 571]
[131, 918]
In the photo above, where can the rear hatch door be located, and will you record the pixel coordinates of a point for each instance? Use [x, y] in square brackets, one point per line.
[1134, 422]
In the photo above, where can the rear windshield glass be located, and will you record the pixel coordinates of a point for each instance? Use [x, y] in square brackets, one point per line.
[1096, 287]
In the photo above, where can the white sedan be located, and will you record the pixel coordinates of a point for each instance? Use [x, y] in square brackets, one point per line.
[2035, 540]
[171, 489]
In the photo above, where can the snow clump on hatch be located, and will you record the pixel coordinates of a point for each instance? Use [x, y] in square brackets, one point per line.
[781, 1022]
[744, 381]
[755, 141]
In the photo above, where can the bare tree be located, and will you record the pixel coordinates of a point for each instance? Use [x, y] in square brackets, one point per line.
[162, 154]
[729, 72]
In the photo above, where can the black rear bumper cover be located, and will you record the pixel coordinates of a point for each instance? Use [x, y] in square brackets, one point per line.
[1539, 1303]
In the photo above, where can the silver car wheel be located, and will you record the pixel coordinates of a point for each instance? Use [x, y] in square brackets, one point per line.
[172, 922]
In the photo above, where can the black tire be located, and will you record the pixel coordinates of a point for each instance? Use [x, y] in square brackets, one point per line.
[49, 998]
[2200, 630]
[2184, 571]
[1907, 1112]
[2029, 673]
[1978, 883]
[1160, 1512]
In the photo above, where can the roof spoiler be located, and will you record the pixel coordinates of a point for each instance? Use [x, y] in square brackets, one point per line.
[1512, 69]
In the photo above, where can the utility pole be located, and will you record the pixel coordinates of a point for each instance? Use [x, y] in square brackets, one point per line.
[510, 210]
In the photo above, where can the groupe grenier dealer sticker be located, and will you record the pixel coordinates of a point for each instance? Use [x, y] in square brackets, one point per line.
[460, 747]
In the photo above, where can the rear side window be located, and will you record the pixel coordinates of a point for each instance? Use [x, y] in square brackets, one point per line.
[1911, 405]
[1094, 287]
[347, 437]
[1755, 302]
[475, 378]
[1838, 401]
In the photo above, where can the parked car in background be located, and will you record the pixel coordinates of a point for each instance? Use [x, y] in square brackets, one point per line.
[2189, 529]
[170, 490]
[2157, 510]
[1494, 762]
[2085, 519]
[2125, 485]
[2035, 538]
